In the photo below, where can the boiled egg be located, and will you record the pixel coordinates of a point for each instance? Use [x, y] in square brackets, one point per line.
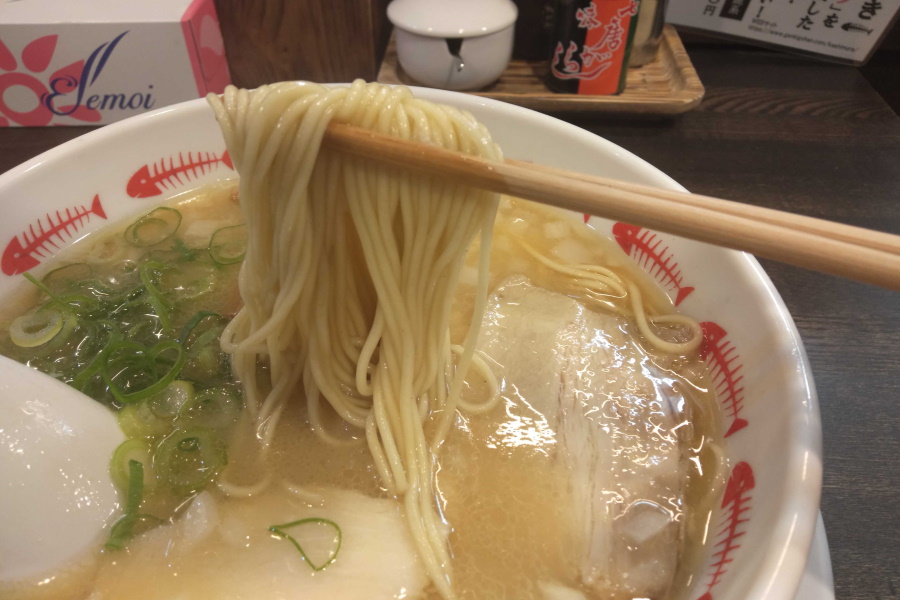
[57, 498]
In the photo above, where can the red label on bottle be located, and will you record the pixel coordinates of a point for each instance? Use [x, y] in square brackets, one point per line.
[606, 46]
[593, 48]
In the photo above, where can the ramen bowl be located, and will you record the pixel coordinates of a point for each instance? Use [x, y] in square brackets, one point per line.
[760, 538]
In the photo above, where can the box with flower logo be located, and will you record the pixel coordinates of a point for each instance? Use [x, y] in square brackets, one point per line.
[100, 61]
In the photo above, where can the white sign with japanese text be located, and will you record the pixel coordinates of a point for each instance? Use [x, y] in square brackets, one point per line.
[843, 29]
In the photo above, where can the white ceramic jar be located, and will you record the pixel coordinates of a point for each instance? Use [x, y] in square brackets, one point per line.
[454, 45]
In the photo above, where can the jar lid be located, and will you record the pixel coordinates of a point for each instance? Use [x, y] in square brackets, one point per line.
[452, 19]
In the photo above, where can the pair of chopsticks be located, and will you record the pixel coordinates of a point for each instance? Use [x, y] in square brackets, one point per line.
[852, 252]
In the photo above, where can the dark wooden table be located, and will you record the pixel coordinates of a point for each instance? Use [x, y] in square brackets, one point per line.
[817, 139]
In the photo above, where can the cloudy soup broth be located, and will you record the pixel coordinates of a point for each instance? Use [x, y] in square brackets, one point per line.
[593, 473]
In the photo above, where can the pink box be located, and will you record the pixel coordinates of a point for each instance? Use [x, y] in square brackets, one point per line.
[85, 62]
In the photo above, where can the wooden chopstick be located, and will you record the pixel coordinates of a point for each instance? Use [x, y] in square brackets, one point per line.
[838, 231]
[851, 252]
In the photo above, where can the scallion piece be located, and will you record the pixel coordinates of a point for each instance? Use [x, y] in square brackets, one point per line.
[138, 421]
[80, 303]
[194, 323]
[123, 529]
[40, 285]
[128, 451]
[213, 408]
[93, 368]
[228, 245]
[36, 328]
[139, 367]
[187, 253]
[168, 403]
[200, 337]
[154, 227]
[189, 280]
[188, 459]
[128, 368]
[125, 297]
[149, 272]
[64, 276]
[279, 530]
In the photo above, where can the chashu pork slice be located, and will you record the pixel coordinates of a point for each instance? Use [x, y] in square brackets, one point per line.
[614, 414]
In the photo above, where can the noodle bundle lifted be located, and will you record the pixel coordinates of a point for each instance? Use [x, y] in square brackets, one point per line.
[349, 276]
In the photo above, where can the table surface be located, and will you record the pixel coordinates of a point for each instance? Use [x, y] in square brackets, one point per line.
[814, 138]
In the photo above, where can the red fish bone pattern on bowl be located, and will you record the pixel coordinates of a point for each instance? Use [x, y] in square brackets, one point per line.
[649, 252]
[733, 522]
[25, 251]
[724, 368]
[154, 179]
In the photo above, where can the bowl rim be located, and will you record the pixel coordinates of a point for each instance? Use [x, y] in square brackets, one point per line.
[779, 574]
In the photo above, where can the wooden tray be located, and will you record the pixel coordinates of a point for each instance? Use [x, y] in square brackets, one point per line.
[668, 85]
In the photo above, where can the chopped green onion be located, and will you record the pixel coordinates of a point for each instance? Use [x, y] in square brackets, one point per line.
[187, 253]
[92, 337]
[209, 337]
[80, 303]
[213, 408]
[168, 403]
[36, 328]
[228, 245]
[188, 459]
[164, 255]
[154, 227]
[200, 338]
[138, 421]
[194, 322]
[189, 281]
[207, 363]
[138, 367]
[70, 322]
[93, 368]
[128, 451]
[47, 291]
[144, 330]
[88, 294]
[123, 529]
[110, 331]
[126, 297]
[64, 276]
[128, 368]
[155, 297]
[279, 531]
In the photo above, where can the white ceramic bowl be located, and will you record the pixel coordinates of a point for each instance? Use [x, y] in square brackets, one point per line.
[765, 529]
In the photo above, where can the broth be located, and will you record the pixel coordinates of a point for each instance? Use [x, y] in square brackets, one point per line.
[504, 492]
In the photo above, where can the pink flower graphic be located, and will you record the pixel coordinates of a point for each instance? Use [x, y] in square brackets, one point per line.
[36, 57]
